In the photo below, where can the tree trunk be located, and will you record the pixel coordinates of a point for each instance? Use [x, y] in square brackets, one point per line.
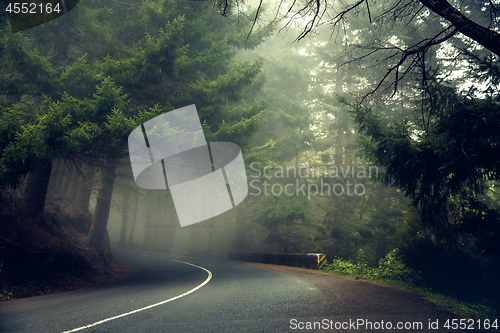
[125, 212]
[56, 179]
[36, 190]
[85, 189]
[132, 226]
[61, 178]
[68, 175]
[73, 186]
[103, 205]
[148, 227]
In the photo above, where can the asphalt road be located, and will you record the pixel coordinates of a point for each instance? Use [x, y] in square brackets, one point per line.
[161, 295]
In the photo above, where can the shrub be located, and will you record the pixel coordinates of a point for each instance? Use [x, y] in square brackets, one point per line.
[390, 267]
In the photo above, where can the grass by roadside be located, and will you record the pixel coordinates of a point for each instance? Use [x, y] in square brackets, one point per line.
[393, 271]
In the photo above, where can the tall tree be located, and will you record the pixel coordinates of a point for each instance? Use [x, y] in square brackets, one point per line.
[85, 188]
[101, 213]
[444, 158]
[151, 56]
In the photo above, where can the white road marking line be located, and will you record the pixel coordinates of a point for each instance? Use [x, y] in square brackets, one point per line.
[150, 306]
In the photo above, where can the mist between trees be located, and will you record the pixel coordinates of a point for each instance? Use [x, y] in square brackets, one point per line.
[398, 85]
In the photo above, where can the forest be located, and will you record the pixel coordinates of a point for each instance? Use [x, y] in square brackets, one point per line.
[369, 132]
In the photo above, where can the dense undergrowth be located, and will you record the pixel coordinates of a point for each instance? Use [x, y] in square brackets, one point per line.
[392, 270]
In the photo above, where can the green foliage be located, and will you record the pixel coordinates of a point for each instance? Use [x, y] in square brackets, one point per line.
[36, 70]
[391, 267]
[444, 158]
[6, 294]
[167, 55]
[448, 152]
[342, 267]
[37, 136]
[78, 80]
[162, 51]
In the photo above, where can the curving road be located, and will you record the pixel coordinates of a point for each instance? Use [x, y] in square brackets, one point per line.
[196, 295]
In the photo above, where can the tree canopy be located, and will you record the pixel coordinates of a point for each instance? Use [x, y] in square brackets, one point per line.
[374, 31]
